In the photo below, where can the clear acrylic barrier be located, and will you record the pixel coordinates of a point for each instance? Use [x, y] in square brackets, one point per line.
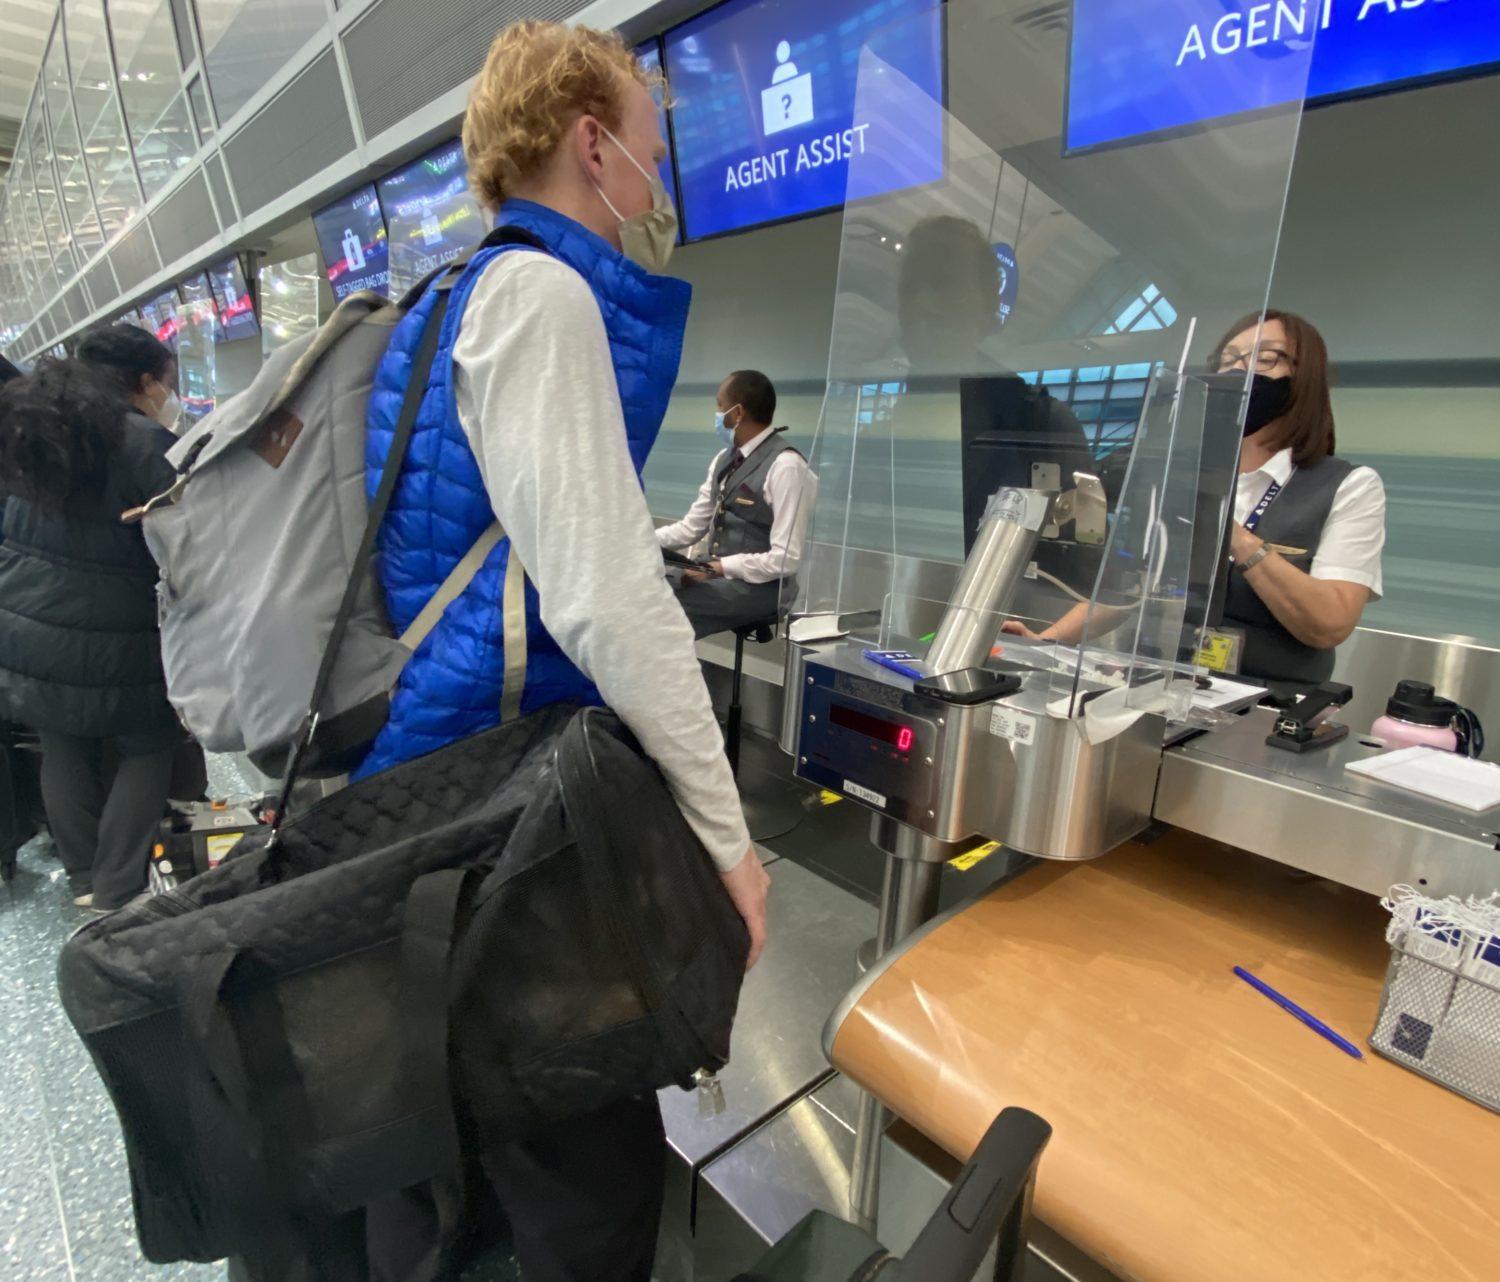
[288, 301]
[427, 234]
[1021, 317]
[197, 330]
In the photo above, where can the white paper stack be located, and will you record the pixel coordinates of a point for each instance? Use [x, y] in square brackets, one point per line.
[1443, 776]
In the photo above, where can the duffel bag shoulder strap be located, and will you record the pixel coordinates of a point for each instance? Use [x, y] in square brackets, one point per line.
[411, 404]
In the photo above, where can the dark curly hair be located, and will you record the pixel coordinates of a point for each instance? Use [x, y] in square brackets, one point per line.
[125, 354]
[59, 427]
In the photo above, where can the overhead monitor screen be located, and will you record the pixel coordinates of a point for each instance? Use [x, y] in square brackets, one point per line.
[351, 234]
[232, 297]
[763, 106]
[649, 56]
[431, 215]
[1144, 67]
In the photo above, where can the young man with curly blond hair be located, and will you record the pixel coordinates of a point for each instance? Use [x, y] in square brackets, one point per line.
[553, 371]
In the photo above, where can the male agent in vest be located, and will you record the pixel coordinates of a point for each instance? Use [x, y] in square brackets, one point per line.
[552, 376]
[753, 506]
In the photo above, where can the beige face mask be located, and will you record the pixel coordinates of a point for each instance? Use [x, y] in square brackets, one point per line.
[646, 239]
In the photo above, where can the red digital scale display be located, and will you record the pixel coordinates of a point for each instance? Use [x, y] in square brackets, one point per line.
[894, 733]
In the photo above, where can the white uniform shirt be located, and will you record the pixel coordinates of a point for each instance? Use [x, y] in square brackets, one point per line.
[537, 398]
[790, 489]
[1353, 534]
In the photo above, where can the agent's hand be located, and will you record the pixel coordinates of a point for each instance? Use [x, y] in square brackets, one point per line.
[696, 576]
[747, 883]
[1015, 628]
[1242, 544]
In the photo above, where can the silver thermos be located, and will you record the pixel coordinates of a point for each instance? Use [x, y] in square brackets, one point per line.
[1003, 548]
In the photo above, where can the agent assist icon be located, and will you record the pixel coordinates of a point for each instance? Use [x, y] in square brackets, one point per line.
[789, 101]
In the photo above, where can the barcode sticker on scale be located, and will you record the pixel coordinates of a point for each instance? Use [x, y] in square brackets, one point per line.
[864, 794]
[1012, 725]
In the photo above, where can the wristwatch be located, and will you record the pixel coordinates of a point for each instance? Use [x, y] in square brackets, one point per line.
[1254, 559]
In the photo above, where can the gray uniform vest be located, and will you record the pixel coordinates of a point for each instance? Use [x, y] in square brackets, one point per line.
[1295, 519]
[742, 514]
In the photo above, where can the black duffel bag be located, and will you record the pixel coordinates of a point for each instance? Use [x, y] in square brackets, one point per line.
[275, 1033]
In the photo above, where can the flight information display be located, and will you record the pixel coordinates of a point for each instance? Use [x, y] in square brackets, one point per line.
[763, 107]
[431, 214]
[1144, 67]
[351, 234]
[232, 297]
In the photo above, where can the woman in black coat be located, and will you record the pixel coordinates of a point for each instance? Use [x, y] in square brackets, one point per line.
[82, 441]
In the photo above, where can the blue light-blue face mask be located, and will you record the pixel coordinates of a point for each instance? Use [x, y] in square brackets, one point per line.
[726, 433]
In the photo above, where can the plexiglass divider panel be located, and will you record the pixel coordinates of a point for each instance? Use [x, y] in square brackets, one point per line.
[288, 301]
[1021, 316]
[197, 329]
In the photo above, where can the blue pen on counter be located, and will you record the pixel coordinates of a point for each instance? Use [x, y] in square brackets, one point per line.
[902, 662]
[1291, 1008]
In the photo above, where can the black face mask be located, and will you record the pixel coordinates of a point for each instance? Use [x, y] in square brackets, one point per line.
[1270, 398]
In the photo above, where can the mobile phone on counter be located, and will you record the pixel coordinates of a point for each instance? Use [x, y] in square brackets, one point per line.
[969, 685]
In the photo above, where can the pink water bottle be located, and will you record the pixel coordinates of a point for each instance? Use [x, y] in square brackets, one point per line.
[1416, 717]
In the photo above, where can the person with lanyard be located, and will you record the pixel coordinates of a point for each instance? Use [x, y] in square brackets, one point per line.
[1309, 527]
[753, 506]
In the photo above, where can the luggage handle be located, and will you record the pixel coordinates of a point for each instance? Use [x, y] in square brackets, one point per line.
[411, 404]
[429, 928]
[991, 1197]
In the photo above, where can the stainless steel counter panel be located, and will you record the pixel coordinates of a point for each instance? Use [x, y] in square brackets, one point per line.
[777, 1054]
[1049, 793]
[1372, 662]
[796, 1164]
[1308, 812]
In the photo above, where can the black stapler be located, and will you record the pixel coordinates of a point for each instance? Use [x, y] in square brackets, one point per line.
[1304, 726]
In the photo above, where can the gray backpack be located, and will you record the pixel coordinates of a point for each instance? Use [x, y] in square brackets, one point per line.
[257, 541]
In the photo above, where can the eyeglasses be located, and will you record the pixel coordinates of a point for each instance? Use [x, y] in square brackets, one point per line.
[1265, 358]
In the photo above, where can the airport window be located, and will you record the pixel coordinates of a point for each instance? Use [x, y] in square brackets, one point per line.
[105, 147]
[1137, 311]
[245, 44]
[877, 402]
[151, 89]
[1105, 399]
[202, 116]
[182, 24]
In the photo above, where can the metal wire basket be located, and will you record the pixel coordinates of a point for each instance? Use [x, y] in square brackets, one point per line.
[1441, 1023]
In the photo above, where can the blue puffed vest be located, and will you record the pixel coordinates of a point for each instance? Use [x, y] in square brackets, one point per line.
[453, 685]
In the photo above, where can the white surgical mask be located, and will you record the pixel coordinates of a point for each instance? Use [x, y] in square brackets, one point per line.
[726, 433]
[647, 239]
[169, 412]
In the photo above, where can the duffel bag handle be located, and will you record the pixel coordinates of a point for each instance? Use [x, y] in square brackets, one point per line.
[429, 929]
[247, 1057]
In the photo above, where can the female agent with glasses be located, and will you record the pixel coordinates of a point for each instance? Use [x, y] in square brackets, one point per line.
[1308, 527]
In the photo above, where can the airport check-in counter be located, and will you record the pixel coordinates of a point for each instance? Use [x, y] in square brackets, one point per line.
[1153, 839]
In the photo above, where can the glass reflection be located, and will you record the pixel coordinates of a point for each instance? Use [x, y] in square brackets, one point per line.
[288, 301]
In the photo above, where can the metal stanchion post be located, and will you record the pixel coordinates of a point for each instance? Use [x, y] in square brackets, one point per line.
[908, 898]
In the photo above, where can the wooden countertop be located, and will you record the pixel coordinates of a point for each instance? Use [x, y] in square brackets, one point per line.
[1201, 1134]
